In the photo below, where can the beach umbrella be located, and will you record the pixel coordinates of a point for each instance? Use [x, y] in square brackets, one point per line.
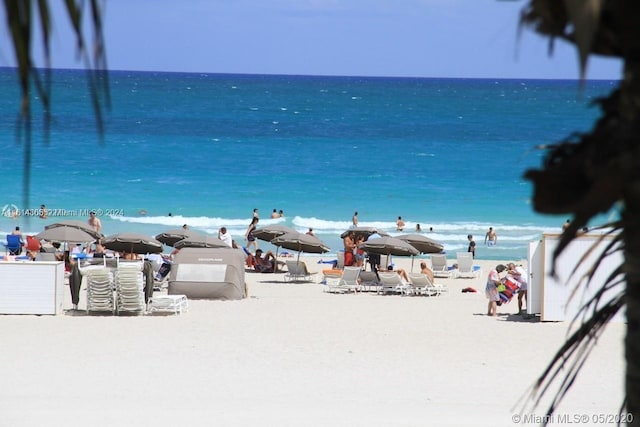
[134, 243]
[300, 242]
[366, 232]
[170, 237]
[270, 232]
[388, 246]
[65, 234]
[76, 224]
[423, 244]
[200, 242]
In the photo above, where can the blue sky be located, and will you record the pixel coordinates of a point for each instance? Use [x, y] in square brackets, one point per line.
[417, 38]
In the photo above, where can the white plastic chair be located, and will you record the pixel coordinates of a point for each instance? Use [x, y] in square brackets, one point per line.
[297, 270]
[424, 286]
[439, 265]
[465, 265]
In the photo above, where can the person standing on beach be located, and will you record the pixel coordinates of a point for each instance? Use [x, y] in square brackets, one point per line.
[519, 275]
[349, 247]
[399, 224]
[472, 246]
[249, 237]
[491, 238]
[354, 219]
[95, 222]
[491, 290]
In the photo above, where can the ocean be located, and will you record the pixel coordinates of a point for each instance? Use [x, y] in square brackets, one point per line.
[206, 149]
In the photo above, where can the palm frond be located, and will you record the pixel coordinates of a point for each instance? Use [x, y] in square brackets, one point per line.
[22, 20]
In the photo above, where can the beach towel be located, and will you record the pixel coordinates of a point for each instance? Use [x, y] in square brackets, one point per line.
[507, 289]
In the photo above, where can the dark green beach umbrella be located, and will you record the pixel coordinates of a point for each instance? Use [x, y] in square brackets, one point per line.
[81, 225]
[270, 232]
[200, 242]
[300, 242]
[171, 237]
[422, 243]
[388, 246]
[363, 231]
[133, 243]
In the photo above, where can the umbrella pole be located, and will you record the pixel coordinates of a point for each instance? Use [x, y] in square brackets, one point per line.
[275, 261]
[412, 259]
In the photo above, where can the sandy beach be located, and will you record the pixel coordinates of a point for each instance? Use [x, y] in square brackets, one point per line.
[291, 354]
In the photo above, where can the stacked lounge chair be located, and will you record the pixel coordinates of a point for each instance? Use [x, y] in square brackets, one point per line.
[130, 288]
[99, 283]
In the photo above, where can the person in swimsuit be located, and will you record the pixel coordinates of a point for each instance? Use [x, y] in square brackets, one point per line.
[249, 237]
[491, 238]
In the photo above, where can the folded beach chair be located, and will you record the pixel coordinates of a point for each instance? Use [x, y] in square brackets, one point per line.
[439, 265]
[391, 283]
[424, 286]
[297, 271]
[465, 265]
[348, 282]
[130, 288]
[98, 280]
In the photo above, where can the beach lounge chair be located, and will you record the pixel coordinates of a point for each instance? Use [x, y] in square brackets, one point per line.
[424, 286]
[340, 260]
[348, 282]
[176, 304]
[465, 265]
[369, 281]
[98, 280]
[439, 265]
[297, 271]
[391, 283]
[130, 288]
[13, 245]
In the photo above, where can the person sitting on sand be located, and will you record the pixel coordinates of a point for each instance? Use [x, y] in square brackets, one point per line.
[491, 290]
[265, 264]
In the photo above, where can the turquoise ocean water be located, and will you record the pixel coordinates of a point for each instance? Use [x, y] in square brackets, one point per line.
[206, 149]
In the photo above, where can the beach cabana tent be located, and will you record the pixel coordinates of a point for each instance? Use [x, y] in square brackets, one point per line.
[208, 273]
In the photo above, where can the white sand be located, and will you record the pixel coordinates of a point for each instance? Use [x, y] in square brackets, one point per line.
[292, 355]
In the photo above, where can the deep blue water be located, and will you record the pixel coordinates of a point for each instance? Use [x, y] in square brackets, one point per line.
[209, 148]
